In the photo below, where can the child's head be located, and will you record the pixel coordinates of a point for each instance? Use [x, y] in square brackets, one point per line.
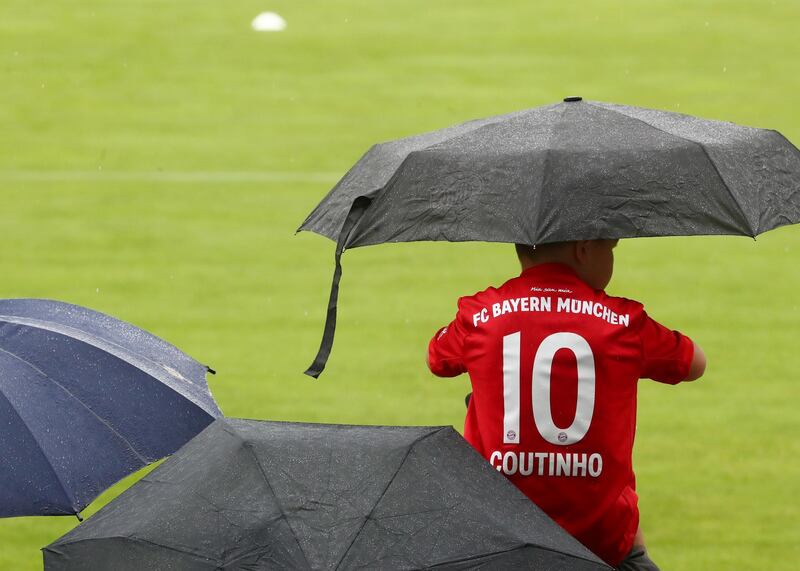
[592, 260]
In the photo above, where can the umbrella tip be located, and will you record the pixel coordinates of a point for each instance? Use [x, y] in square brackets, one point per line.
[572, 99]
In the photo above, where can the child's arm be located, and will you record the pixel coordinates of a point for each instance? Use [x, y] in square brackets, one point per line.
[668, 356]
[698, 366]
[446, 350]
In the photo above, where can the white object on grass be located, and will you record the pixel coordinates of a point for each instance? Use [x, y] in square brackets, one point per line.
[269, 22]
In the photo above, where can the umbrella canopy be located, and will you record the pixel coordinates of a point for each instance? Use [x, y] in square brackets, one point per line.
[268, 495]
[575, 170]
[85, 400]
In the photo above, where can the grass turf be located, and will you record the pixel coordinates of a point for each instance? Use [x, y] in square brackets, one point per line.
[157, 158]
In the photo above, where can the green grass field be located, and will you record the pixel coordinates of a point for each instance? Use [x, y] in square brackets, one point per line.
[156, 158]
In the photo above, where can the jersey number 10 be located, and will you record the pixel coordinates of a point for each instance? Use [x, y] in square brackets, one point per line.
[542, 365]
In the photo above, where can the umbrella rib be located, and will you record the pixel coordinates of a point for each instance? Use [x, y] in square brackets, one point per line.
[84, 336]
[53, 548]
[705, 152]
[383, 493]
[169, 547]
[725, 184]
[247, 446]
[480, 556]
[99, 343]
[141, 458]
[510, 550]
[545, 161]
[46, 459]
[462, 129]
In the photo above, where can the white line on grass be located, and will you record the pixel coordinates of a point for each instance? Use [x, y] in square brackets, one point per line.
[168, 176]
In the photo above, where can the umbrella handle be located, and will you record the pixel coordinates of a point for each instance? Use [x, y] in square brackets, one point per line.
[360, 205]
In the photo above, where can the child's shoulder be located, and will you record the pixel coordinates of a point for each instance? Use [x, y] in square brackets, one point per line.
[624, 304]
[491, 294]
[480, 297]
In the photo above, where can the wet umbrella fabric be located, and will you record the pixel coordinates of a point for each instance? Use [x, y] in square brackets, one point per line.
[268, 495]
[570, 171]
[85, 400]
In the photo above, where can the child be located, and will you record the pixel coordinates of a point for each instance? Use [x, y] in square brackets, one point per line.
[554, 364]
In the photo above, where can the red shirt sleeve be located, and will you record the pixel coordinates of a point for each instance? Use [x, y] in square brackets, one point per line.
[666, 355]
[446, 349]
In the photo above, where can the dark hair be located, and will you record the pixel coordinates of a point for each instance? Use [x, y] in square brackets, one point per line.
[531, 251]
[525, 250]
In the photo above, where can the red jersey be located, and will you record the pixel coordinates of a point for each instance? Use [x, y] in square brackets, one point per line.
[554, 366]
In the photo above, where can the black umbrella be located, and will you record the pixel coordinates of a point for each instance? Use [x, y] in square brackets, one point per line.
[85, 400]
[575, 170]
[269, 495]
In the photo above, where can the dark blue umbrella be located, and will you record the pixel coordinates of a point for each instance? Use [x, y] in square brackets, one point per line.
[85, 400]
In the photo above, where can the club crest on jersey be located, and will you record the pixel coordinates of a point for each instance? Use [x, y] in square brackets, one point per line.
[511, 435]
[562, 436]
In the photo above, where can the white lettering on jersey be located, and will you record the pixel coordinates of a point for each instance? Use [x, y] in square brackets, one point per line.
[584, 410]
[511, 358]
[541, 379]
[556, 464]
[482, 316]
[536, 304]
